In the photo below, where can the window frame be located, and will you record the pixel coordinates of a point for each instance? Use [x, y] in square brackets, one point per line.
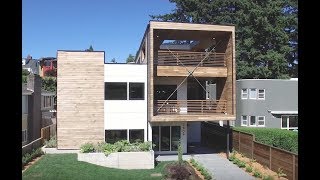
[129, 136]
[264, 121]
[288, 122]
[126, 91]
[256, 92]
[105, 139]
[264, 94]
[242, 93]
[255, 121]
[129, 91]
[242, 124]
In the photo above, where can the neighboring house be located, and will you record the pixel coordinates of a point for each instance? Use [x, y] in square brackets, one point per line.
[31, 109]
[32, 65]
[271, 103]
[47, 64]
[154, 99]
[48, 110]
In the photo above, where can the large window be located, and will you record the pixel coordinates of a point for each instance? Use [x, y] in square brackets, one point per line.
[47, 101]
[113, 136]
[244, 120]
[166, 138]
[24, 136]
[289, 122]
[136, 135]
[252, 121]
[156, 137]
[244, 93]
[253, 93]
[115, 91]
[162, 92]
[136, 91]
[261, 94]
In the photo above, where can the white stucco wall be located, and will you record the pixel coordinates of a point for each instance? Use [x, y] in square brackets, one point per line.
[126, 114]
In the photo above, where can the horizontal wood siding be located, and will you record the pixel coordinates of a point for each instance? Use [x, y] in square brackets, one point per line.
[199, 72]
[80, 98]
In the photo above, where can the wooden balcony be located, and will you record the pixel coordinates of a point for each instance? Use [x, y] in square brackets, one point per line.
[190, 110]
[174, 63]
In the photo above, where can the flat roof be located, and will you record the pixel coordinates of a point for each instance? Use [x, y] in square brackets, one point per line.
[284, 112]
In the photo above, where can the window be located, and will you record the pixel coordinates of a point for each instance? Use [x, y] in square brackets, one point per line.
[253, 94]
[113, 136]
[261, 94]
[136, 135]
[252, 121]
[24, 135]
[136, 91]
[175, 137]
[244, 120]
[166, 138]
[24, 104]
[115, 91]
[47, 101]
[289, 122]
[261, 121]
[244, 93]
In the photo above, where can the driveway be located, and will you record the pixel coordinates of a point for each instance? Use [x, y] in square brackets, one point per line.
[220, 167]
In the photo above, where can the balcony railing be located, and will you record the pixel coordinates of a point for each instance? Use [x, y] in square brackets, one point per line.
[190, 106]
[188, 58]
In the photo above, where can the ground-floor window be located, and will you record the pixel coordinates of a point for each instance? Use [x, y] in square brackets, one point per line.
[253, 121]
[289, 122]
[166, 138]
[136, 135]
[113, 136]
[24, 135]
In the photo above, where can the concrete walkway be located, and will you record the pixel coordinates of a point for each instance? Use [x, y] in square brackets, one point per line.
[220, 167]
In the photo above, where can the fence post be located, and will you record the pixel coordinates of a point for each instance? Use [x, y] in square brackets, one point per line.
[293, 167]
[252, 148]
[270, 157]
[239, 134]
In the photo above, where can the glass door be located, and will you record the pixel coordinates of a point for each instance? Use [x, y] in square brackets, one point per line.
[166, 138]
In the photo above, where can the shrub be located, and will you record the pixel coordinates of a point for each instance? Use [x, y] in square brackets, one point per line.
[29, 157]
[267, 177]
[249, 169]
[241, 164]
[87, 148]
[52, 143]
[280, 173]
[177, 171]
[233, 156]
[257, 174]
[284, 139]
[145, 146]
[201, 169]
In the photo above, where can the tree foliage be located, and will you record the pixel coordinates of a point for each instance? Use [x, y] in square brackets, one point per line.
[90, 49]
[49, 84]
[113, 60]
[130, 58]
[51, 72]
[266, 32]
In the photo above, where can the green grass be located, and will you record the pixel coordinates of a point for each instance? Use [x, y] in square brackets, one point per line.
[66, 166]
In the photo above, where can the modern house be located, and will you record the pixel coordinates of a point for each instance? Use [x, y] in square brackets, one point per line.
[162, 97]
[37, 109]
[269, 103]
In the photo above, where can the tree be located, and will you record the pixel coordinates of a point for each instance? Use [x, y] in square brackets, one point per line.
[51, 72]
[113, 60]
[49, 84]
[266, 32]
[130, 58]
[90, 49]
[25, 74]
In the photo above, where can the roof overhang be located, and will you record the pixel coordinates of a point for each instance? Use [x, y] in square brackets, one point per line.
[284, 112]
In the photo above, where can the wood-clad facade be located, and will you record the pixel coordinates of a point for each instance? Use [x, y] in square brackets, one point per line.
[80, 98]
[211, 58]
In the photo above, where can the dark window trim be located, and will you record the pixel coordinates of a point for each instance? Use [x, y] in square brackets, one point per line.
[105, 98]
[143, 98]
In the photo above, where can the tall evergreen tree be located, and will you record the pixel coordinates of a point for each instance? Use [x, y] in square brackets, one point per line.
[130, 58]
[266, 32]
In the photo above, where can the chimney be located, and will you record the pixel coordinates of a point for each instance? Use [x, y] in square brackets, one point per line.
[30, 82]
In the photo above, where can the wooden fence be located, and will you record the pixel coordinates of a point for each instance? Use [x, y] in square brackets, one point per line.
[46, 134]
[269, 156]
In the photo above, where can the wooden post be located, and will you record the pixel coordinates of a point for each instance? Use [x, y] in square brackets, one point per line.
[252, 147]
[239, 134]
[293, 167]
[228, 130]
[270, 157]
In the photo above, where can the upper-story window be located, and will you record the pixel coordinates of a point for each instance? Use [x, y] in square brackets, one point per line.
[261, 94]
[115, 91]
[253, 93]
[244, 93]
[136, 91]
[47, 101]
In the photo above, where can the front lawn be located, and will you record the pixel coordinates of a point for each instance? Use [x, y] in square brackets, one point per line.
[66, 166]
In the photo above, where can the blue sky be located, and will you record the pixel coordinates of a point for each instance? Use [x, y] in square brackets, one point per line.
[113, 26]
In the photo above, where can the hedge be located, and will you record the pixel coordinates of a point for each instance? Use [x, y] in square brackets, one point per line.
[283, 139]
